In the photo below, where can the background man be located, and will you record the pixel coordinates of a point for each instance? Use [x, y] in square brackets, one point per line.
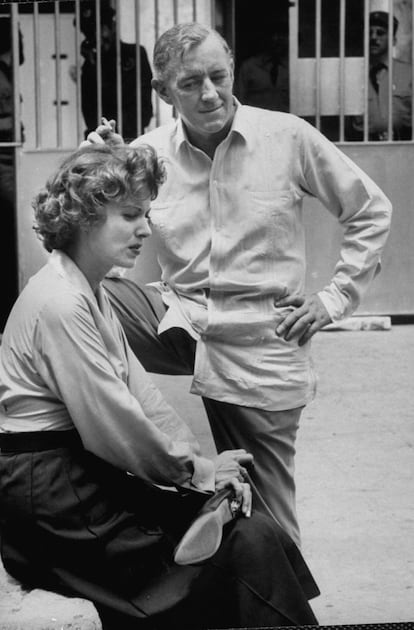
[109, 73]
[381, 64]
[263, 78]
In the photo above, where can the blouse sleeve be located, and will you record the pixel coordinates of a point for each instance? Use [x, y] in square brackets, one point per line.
[139, 433]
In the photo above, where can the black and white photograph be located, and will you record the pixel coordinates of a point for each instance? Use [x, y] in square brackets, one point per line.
[207, 314]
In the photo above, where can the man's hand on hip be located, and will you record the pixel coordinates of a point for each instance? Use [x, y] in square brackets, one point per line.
[309, 316]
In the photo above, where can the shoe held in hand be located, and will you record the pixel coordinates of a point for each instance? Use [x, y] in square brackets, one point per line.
[203, 537]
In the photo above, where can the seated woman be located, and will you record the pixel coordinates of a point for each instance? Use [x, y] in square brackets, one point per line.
[100, 479]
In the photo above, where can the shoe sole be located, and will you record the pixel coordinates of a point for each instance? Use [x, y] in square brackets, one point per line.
[204, 536]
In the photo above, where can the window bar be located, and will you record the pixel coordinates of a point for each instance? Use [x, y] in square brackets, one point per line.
[98, 62]
[138, 67]
[156, 33]
[342, 27]
[366, 68]
[318, 39]
[16, 139]
[37, 82]
[58, 75]
[175, 18]
[390, 68]
[213, 12]
[17, 136]
[78, 73]
[194, 10]
[118, 87]
[232, 30]
[412, 74]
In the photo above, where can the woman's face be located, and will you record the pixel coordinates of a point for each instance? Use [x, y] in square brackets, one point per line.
[117, 240]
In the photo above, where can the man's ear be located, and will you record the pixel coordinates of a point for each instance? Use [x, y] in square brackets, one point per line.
[162, 91]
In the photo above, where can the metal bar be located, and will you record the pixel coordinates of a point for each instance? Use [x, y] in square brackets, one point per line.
[366, 68]
[390, 132]
[78, 74]
[15, 70]
[37, 82]
[318, 39]
[13, 236]
[194, 10]
[213, 12]
[412, 75]
[293, 51]
[10, 145]
[138, 67]
[118, 53]
[232, 41]
[58, 77]
[98, 31]
[342, 26]
[156, 33]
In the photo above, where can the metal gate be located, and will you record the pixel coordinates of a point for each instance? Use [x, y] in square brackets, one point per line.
[59, 39]
[329, 85]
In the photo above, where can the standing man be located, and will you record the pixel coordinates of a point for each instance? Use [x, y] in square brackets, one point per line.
[381, 64]
[230, 238]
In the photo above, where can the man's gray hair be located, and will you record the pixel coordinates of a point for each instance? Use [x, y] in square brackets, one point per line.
[176, 41]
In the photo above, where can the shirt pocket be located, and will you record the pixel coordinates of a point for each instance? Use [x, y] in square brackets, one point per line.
[277, 212]
[166, 220]
[181, 227]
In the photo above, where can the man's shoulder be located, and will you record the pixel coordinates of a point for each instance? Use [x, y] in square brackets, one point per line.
[400, 67]
[158, 137]
[271, 119]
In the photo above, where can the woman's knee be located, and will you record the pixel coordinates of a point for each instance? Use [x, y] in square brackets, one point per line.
[249, 540]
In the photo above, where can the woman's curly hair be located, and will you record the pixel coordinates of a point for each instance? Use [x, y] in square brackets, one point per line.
[86, 181]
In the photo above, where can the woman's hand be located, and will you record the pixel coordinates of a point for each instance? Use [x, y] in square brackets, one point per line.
[231, 472]
[103, 134]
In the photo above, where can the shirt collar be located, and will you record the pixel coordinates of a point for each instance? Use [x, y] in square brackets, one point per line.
[180, 134]
[66, 268]
[242, 123]
[240, 126]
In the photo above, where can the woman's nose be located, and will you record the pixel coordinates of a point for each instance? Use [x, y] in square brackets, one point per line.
[143, 228]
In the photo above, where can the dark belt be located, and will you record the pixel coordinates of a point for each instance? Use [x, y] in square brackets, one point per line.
[30, 441]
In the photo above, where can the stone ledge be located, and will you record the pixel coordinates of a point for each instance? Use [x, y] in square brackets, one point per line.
[361, 322]
[36, 609]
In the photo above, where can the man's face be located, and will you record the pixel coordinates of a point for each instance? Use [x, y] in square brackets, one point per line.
[378, 41]
[107, 36]
[200, 88]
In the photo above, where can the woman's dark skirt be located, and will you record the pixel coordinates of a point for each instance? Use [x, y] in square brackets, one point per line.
[74, 524]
